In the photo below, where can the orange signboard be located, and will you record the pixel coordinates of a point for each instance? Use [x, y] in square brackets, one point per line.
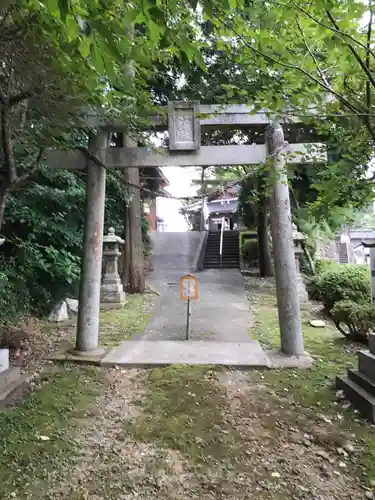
[188, 287]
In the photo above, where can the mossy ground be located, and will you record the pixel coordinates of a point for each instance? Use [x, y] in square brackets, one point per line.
[116, 325]
[187, 432]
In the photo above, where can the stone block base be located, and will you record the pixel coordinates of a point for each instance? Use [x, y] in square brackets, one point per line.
[363, 381]
[359, 385]
[9, 376]
[359, 397]
[371, 342]
[12, 385]
[4, 360]
[367, 364]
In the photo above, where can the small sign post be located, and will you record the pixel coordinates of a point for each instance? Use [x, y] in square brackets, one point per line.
[188, 292]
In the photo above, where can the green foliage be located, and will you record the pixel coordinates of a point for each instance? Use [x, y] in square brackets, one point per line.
[286, 58]
[354, 320]
[343, 282]
[322, 265]
[250, 251]
[43, 227]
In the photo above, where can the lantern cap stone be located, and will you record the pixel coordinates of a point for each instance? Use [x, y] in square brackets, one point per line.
[111, 237]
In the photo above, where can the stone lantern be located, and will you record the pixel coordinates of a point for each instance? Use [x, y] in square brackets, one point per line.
[112, 293]
[298, 251]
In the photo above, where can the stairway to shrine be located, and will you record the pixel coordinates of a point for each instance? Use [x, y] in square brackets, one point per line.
[230, 258]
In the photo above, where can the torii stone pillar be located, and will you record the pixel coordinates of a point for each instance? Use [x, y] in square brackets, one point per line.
[91, 269]
[283, 248]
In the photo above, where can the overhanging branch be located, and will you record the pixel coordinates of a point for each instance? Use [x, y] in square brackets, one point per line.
[354, 52]
[272, 59]
[30, 171]
[336, 30]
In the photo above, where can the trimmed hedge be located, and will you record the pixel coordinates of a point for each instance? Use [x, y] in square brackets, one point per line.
[341, 282]
[250, 251]
[354, 320]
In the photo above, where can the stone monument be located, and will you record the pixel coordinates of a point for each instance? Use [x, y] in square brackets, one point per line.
[112, 293]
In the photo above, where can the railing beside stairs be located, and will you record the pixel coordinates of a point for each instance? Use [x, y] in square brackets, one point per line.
[221, 242]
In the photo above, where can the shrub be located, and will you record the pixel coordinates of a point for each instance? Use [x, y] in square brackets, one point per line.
[322, 265]
[354, 320]
[313, 287]
[344, 282]
[250, 251]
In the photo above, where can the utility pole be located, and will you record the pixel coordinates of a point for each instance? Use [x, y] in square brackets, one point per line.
[283, 248]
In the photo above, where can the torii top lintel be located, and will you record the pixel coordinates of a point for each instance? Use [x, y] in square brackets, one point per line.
[208, 115]
[185, 120]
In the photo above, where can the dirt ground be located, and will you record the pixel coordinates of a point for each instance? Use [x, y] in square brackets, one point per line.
[190, 432]
[187, 433]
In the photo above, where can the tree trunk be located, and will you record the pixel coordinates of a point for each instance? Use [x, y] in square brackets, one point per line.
[305, 249]
[3, 200]
[135, 265]
[125, 251]
[265, 259]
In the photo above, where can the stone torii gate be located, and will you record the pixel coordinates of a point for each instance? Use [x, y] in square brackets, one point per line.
[185, 120]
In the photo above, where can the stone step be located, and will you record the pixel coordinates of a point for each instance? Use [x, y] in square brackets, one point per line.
[225, 242]
[366, 362]
[217, 238]
[207, 261]
[224, 259]
[361, 399]
[371, 342]
[9, 376]
[216, 243]
[225, 247]
[363, 381]
[224, 266]
[10, 392]
[216, 255]
[224, 253]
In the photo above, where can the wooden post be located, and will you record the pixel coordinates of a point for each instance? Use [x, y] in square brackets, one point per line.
[91, 270]
[283, 248]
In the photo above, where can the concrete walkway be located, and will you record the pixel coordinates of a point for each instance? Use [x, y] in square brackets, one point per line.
[220, 319]
[221, 313]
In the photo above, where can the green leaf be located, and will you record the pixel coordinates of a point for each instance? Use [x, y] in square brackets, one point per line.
[185, 62]
[72, 28]
[85, 46]
[64, 9]
[232, 4]
[52, 7]
[97, 54]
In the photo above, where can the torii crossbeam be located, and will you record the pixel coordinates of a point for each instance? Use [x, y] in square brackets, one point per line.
[185, 120]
